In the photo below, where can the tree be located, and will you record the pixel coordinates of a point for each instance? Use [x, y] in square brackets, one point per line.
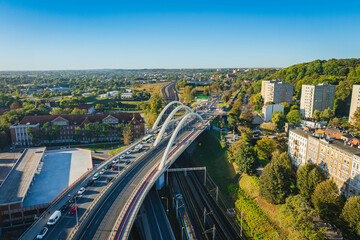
[246, 133]
[127, 134]
[316, 115]
[264, 148]
[15, 105]
[278, 118]
[286, 107]
[350, 217]
[244, 157]
[335, 122]
[100, 107]
[308, 177]
[327, 115]
[294, 117]
[298, 215]
[356, 119]
[282, 159]
[258, 101]
[327, 200]
[274, 183]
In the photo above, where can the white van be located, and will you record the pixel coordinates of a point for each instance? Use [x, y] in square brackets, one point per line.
[54, 218]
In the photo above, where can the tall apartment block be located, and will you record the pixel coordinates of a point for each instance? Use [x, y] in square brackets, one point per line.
[277, 91]
[355, 101]
[316, 97]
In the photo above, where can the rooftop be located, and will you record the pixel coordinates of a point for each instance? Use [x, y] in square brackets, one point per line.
[60, 169]
[300, 132]
[17, 183]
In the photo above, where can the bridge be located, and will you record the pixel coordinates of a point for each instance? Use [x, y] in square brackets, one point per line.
[112, 212]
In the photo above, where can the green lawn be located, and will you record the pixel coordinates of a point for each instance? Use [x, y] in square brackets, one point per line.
[211, 154]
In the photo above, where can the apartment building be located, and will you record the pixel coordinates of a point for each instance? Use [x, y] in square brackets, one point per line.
[355, 101]
[268, 110]
[316, 97]
[338, 158]
[277, 91]
[297, 146]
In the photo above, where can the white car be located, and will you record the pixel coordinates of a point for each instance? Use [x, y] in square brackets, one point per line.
[128, 152]
[102, 171]
[115, 160]
[122, 156]
[42, 234]
[81, 191]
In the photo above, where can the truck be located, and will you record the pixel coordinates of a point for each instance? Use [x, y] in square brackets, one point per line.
[138, 148]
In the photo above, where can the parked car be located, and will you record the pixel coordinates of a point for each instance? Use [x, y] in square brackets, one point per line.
[81, 191]
[73, 210]
[102, 171]
[115, 160]
[109, 179]
[122, 156]
[42, 234]
[113, 168]
[96, 176]
[90, 182]
[128, 152]
[64, 207]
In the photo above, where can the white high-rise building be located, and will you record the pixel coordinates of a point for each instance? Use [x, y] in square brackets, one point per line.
[277, 91]
[316, 97]
[355, 101]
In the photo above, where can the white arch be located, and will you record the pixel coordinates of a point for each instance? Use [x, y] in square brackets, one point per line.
[163, 112]
[167, 121]
[174, 135]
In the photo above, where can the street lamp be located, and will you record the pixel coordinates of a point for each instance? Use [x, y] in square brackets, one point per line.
[167, 204]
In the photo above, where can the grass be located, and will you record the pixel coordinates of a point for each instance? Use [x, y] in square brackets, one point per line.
[117, 150]
[211, 154]
[152, 88]
[100, 146]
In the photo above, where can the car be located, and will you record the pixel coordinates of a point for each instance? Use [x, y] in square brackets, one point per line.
[64, 207]
[96, 176]
[81, 191]
[115, 160]
[122, 156]
[90, 182]
[128, 152]
[109, 179]
[42, 234]
[73, 210]
[102, 171]
[113, 168]
[71, 200]
[111, 155]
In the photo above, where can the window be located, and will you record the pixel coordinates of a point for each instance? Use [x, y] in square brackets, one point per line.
[335, 163]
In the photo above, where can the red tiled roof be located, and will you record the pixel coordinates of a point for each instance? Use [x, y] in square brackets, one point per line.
[77, 119]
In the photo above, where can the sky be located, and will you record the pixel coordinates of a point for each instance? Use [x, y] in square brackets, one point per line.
[77, 34]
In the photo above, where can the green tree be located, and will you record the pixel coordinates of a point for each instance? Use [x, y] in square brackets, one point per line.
[327, 115]
[258, 101]
[282, 159]
[264, 148]
[294, 117]
[298, 215]
[278, 118]
[244, 157]
[275, 182]
[316, 115]
[350, 217]
[286, 107]
[327, 200]
[246, 133]
[308, 177]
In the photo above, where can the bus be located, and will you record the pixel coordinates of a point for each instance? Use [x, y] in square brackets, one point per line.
[146, 138]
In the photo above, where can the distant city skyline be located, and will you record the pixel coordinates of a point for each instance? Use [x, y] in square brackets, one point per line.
[63, 35]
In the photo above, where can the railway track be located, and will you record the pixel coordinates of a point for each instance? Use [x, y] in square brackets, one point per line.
[197, 200]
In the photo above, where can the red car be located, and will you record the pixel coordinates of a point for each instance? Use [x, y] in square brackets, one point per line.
[113, 168]
[111, 155]
[73, 210]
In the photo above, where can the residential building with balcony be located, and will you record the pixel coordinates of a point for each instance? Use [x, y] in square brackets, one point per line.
[277, 91]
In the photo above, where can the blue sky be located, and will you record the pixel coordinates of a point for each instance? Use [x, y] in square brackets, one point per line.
[51, 35]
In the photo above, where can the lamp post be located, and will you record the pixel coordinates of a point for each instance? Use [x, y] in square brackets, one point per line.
[167, 204]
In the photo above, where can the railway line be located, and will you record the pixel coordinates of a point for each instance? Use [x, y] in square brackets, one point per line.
[197, 200]
[169, 93]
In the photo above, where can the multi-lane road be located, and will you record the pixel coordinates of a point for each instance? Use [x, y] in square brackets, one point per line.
[169, 93]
